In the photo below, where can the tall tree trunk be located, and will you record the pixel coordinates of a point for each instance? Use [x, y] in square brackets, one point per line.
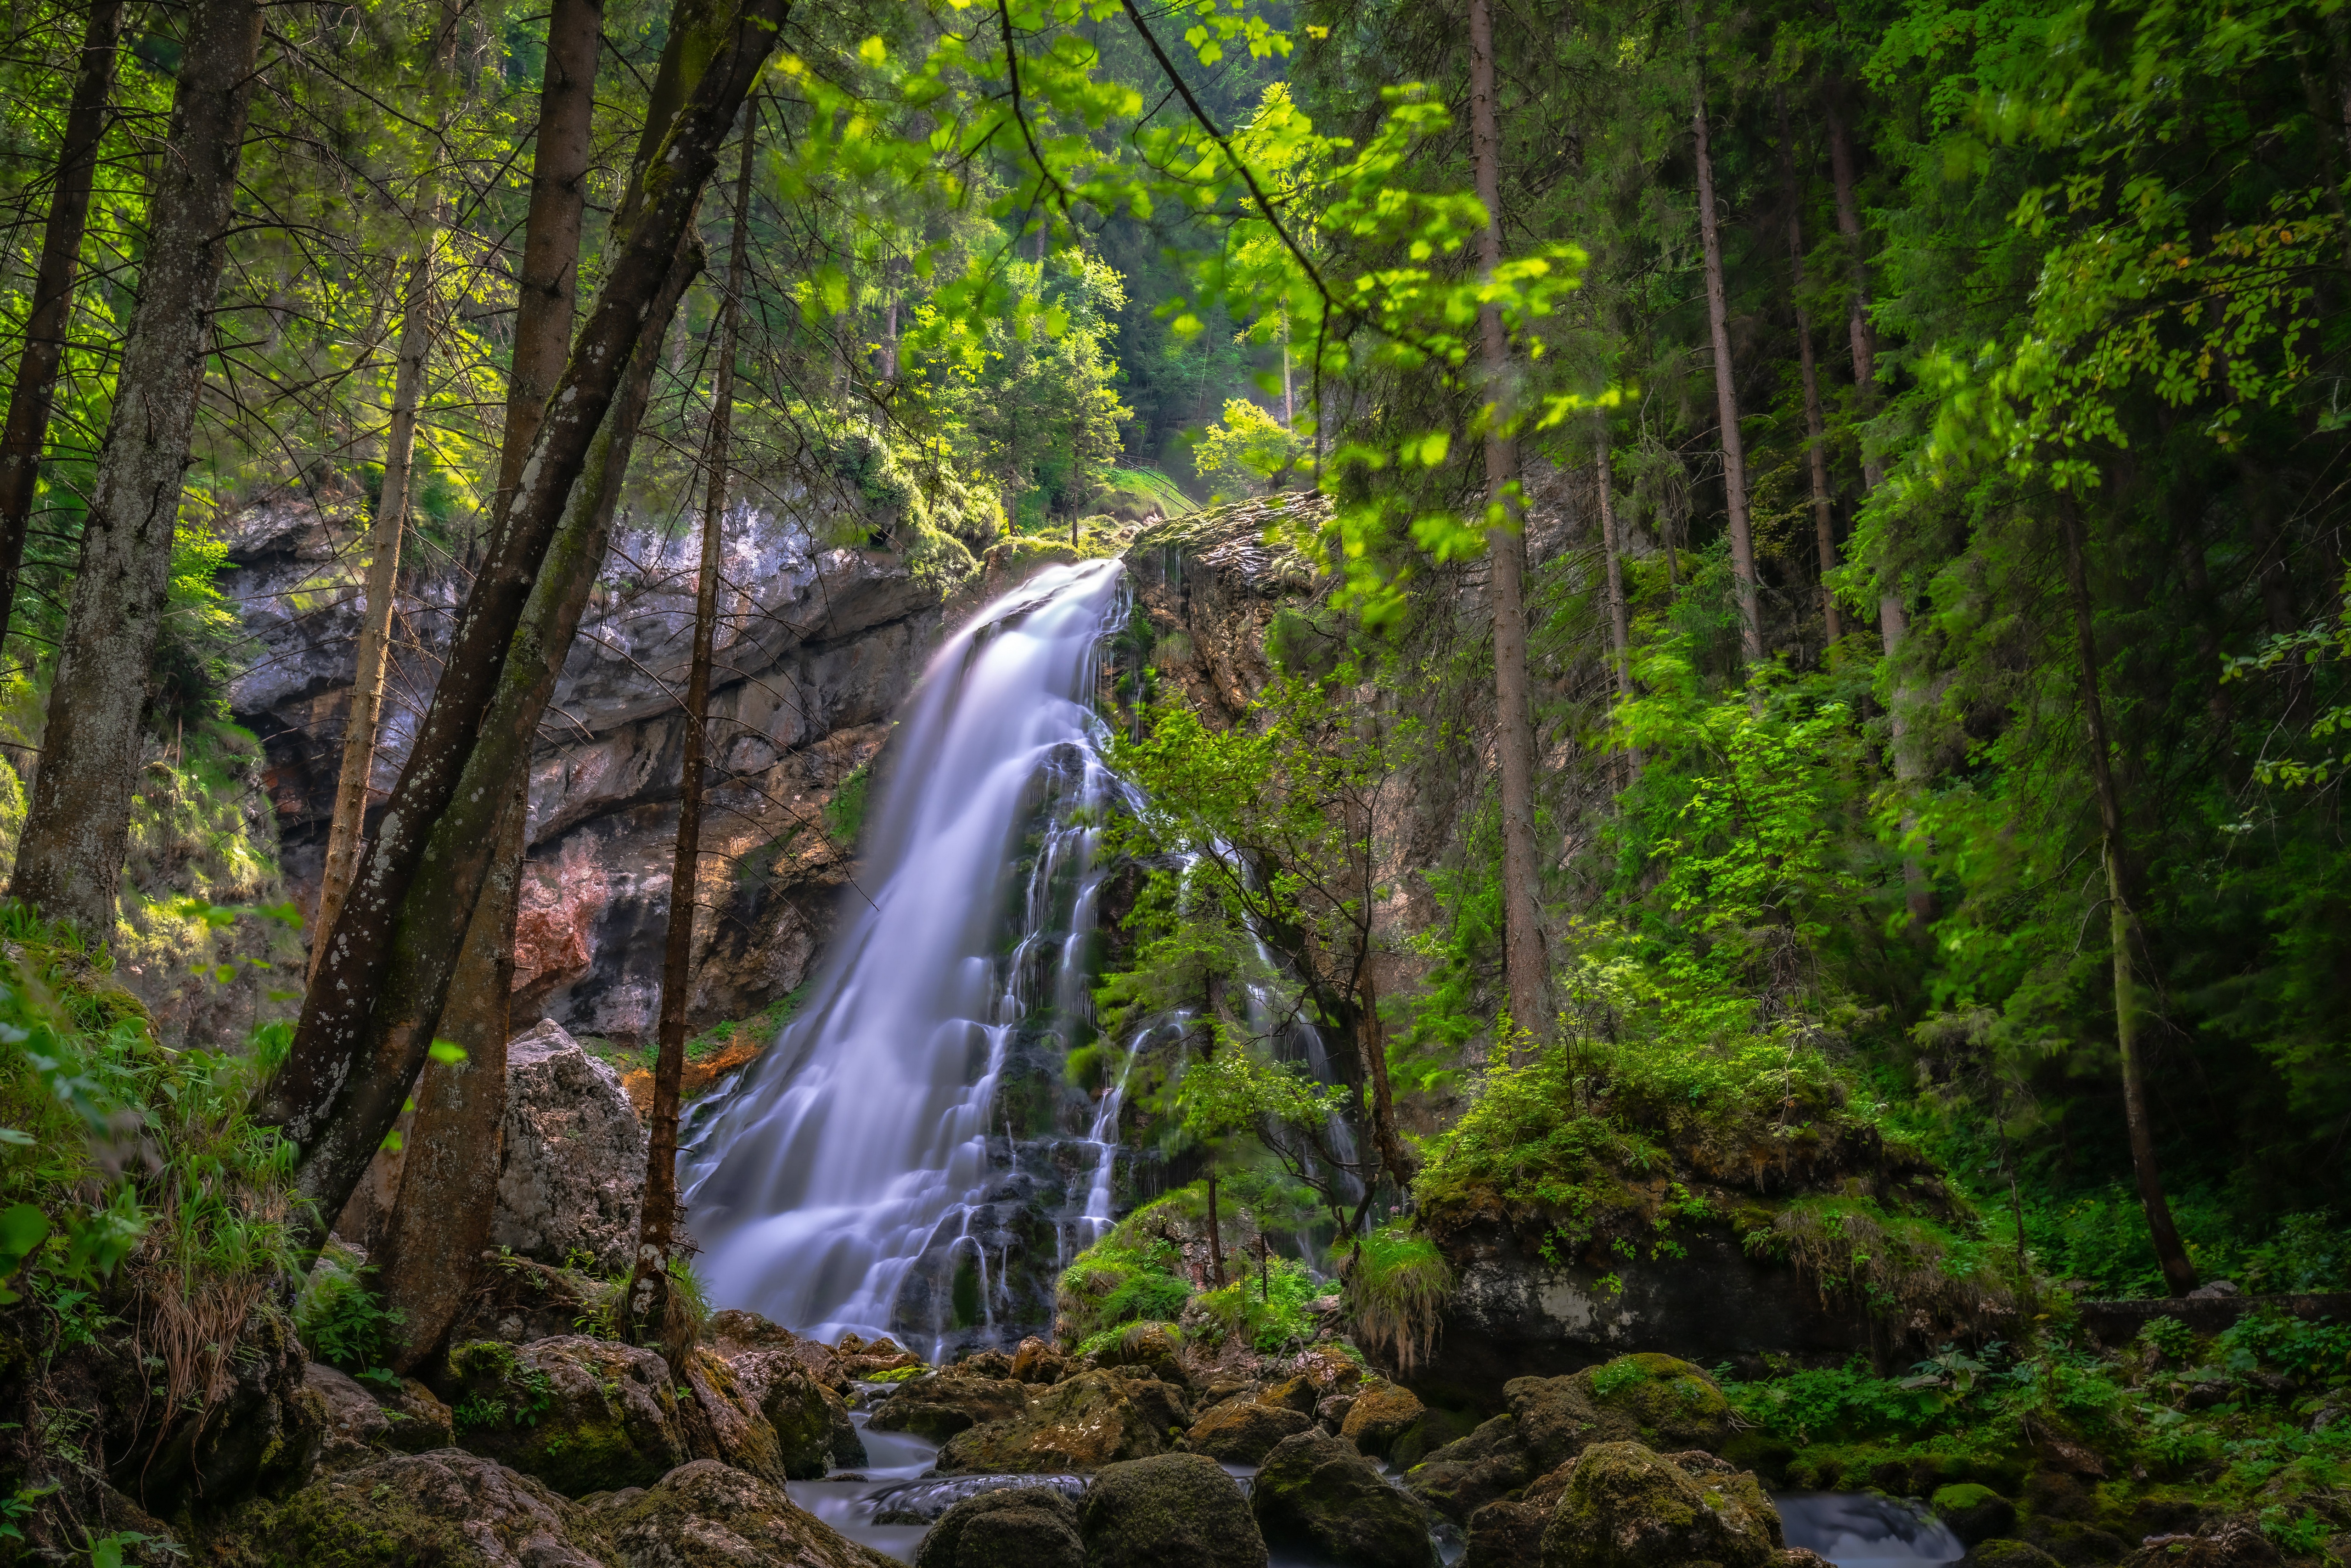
[1620, 618]
[368, 1016]
[1893, 619]
[1726, 390]
[1816, 438]
[646, 1310]
[1506, 547]
[26, 433]
[343, 829]
[69, 862]
[448, 1192]
[2122, 899]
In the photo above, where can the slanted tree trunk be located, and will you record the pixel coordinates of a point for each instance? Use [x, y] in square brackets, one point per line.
[26, 433]
[1506, 548]
[1725, 391]
[1620, 619]
[343, 829]
[647, 1307]
[69, 862]
[2129, 939]
[449, 1188]
[1893, 619]
[368, 1016]
[1816, 440]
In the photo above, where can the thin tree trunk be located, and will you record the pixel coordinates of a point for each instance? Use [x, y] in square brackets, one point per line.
[1289, 390]
[1816, 439]
[367, 1018]
[1506, 546]
[1216, 1236]
[646, 1309]
[1893, 619]
[343, 829]
[448, 1192]
[2122, 897]
[1620, 619]
[1725, 391]
[25, 434]
[1370, 1043]
[69, 862]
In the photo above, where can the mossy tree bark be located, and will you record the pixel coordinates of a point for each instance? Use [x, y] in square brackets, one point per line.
[646, 1310]
[2122, 903]
[33, 394]
[368, 1016]
[449, 1187]
[1506, 550]
[76, 835]
[1726, 389]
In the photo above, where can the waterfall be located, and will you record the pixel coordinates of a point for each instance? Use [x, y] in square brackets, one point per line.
[908, 1158]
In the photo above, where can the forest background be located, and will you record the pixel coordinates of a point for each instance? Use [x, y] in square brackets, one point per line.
[1938, 673]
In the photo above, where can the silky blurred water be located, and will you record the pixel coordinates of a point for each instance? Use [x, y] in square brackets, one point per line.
[862, 1142]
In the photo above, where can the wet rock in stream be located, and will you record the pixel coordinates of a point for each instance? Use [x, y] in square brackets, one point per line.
[1168, 1509]
[1028, 1526]
[1317, 1494]
[930, 1498]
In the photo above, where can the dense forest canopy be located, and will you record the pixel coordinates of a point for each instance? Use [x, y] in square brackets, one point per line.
[1835, 512]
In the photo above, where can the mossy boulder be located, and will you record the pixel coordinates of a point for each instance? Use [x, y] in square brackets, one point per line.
[581, 1415]
[953, 1401]
[1157, 1348]
[798, 1406]
[1975, 1513]
[1507, 1533]
[2002, 1552]
[1661, 1404]
[1077, 1424]
[1168, 1509]
[1298, 1393]
[727, 1422]
[1034, 1361]
[1242, 1432]
[1025, 1527]
[1626, 1506]
[1380, 1416]
[710, 1515]
[1465, 1475]
[451, 1509]
[1317, 1494]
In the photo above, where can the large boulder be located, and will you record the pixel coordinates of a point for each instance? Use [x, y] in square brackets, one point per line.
[571, 1174]
[1317, 1494]
[1628, 1506]
[450, 1509]
[1663, 1404]
[1077, 1424]
[581, 1415]
[733, 1334]
[799, 1409]
[1242, 1432]
[1034, 1361]
[938, 1407]
[728, 1420]
[1467, 1474]
[363, 1425]
[1507, 1533]
[1156, 1348]
[1023, 1527]
[1167, 1509]
[710, 1515]
[1380, 1416]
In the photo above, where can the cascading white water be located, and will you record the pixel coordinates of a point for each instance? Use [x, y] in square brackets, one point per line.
[862, 1143]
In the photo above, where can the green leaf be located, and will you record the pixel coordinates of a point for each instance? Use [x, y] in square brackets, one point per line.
[447, 1052]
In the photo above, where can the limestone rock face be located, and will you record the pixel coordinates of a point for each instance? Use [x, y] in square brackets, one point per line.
[1470, 1472]
[1655, 1400]
[1242, 1432]
[1317, 1494]
[938, 1407]
[1079, 1425]
[448, 1508]
[581, 1415]
[816, 646]
[1628, 1506]
[709, 1515]
[572, 1173]
[1024, 1527]
[1169, 1509]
